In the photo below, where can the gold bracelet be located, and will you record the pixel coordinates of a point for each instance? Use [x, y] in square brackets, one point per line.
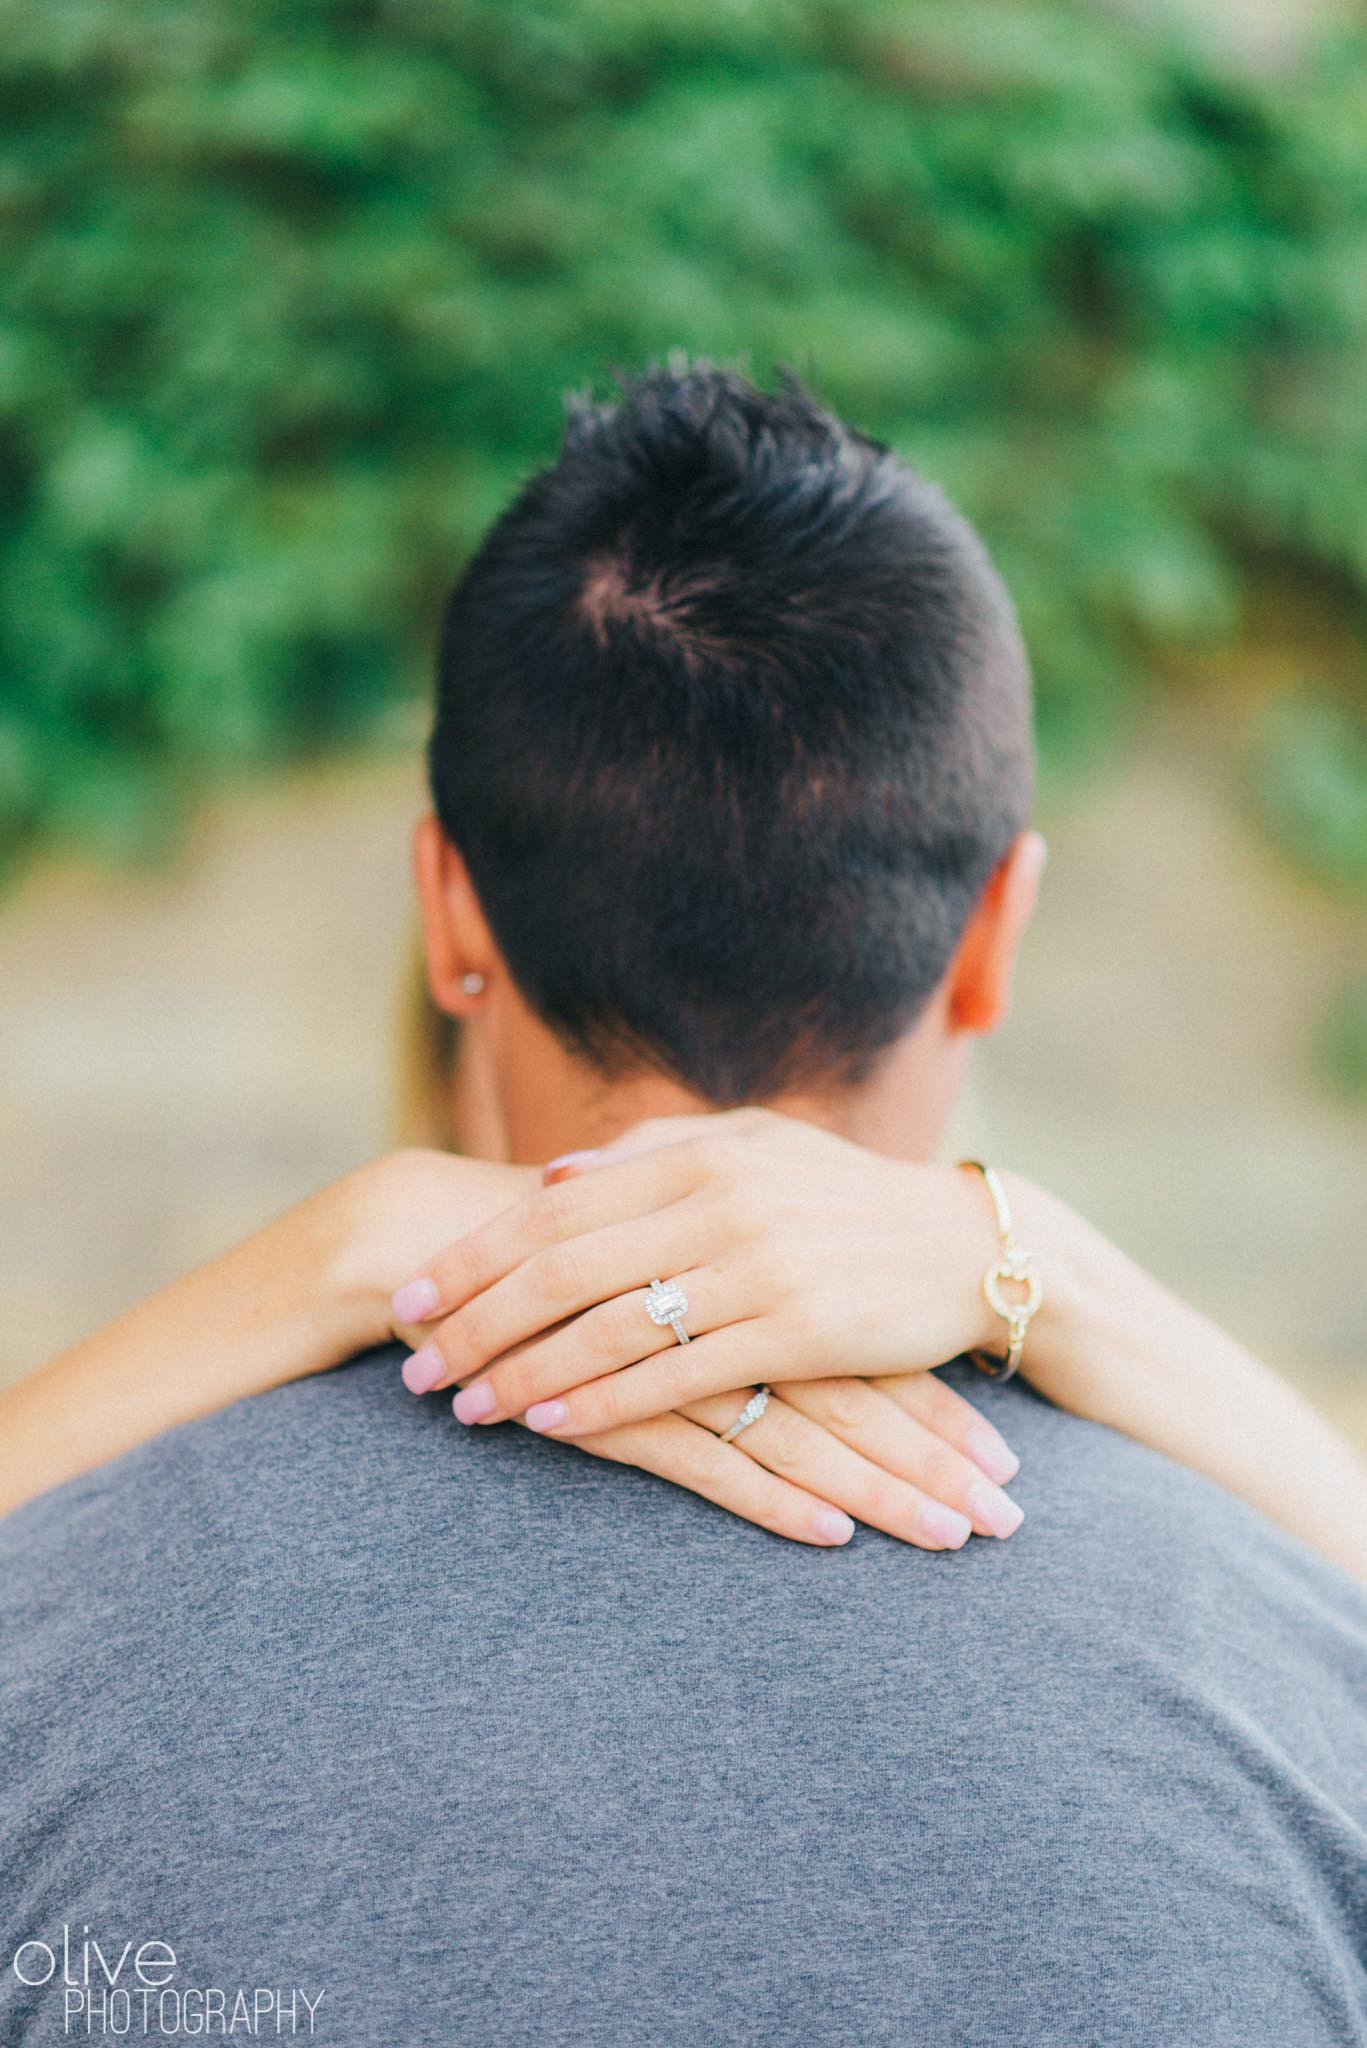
[1014, 1264]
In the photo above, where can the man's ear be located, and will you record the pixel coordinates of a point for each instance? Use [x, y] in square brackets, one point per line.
[980, 975]
[457, 943]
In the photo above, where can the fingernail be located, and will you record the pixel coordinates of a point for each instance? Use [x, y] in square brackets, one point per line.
[414, 1300]
[830, 1526]
[991, 1455]
[993, 1511]
[546, 1415]
[944, 1526]
[423, 1369]
[473, 1403]
[567, 1162]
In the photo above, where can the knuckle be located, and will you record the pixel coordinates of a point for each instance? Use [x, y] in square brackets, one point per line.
[843, 1405]
[455, 1271]
[621, 1328]
[784, 1439]
[602, 1408]
[464, 1339]
[550, 1213]
[560, 1275]
[512, 1384]
[690, 1463]
[931, 1401]
[597, 1399]
[824, 1330]
[884, 1503]
[674, 1375]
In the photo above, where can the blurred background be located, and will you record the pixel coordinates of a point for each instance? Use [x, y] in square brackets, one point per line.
[289, 294]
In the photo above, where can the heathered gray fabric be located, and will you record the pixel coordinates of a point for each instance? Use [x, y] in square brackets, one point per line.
[496, 1744]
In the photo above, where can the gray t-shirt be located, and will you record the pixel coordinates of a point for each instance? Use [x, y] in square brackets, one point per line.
[476, 1741]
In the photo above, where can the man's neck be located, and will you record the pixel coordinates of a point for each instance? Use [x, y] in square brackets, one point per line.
[537, 1101]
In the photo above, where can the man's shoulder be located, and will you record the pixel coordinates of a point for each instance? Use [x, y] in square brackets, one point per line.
[177, 1519]
[1142, 1712]
[348, 1463]
[324, 1482]
[337, 1521]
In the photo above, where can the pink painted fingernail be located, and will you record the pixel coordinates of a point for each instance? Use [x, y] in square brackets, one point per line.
[830, 1526]
[414, 1300]
[472, 1404]
[992, 1510]
[567, 1162]
[546, 1415]
[944, 1526]
[423, 1369]
[991, 1455]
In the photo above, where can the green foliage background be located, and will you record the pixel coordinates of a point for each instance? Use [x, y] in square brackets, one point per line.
[288, 293]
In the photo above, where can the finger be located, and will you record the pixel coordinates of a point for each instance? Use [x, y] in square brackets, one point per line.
[884, 1433]
[694, 1458]
[940, 1408]
[602, 1341]
[795, 1448]
[714, 1363]
[562, 1281]
[551, 1216]
[647, 1136]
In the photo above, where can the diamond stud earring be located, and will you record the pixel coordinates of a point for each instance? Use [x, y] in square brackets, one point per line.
[473, 984]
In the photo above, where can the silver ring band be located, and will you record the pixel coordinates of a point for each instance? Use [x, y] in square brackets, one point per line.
[751, 1412]
[666, 1302]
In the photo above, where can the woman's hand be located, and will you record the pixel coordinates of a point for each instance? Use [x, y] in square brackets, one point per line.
[313, 1288]
[799, 1253]
[890, 1453]
[904, 1454]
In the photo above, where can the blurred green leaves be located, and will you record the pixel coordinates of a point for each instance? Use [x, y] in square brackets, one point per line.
[289, 292]
[1310, 768]
[1342, 1046]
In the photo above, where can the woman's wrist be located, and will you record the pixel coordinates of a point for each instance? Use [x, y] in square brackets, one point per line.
[314, 1297]
[1109, 1342]
[391, 1215]
[1060, 1350]
[356, 1274]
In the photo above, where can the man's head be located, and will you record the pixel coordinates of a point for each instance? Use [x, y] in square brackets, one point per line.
[732, 735]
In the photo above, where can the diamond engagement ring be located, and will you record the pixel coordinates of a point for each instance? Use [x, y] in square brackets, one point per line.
[751, 1412]
[666, 1302]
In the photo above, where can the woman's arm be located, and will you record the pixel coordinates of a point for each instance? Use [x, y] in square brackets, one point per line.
[1114, 1345]
[797, 1247]
[294, 1299]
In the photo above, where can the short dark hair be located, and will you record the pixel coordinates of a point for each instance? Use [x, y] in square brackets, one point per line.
[732, 727]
